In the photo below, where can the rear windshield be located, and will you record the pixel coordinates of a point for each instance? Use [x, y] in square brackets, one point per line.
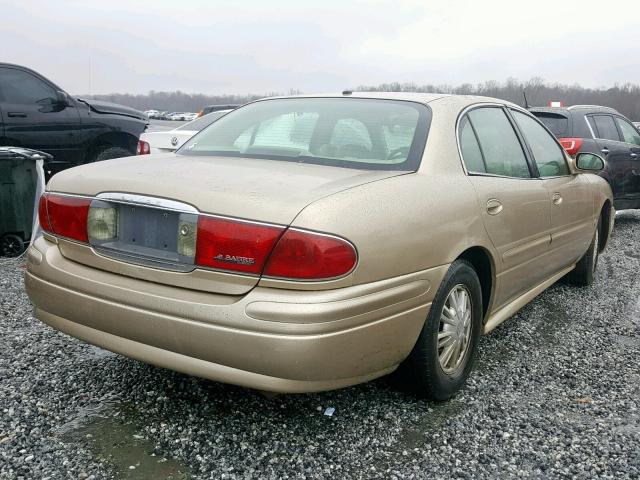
[202, 122]
[345, 132]
[557, 123]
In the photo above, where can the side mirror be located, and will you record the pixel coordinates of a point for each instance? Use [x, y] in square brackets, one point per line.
[56, 104]
[589, 162]
[62, 99]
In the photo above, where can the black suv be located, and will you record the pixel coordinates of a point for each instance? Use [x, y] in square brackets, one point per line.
[35, 113]
[590, 128]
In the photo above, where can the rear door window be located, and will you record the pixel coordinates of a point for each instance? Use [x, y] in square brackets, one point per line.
[629, 132]
[606, 128]
[547, 154]
[470, 148]
[502, 152]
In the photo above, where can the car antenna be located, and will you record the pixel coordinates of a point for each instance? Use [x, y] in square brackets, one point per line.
[526, 102]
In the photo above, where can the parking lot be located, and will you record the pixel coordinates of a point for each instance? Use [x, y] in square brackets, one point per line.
[555, 393]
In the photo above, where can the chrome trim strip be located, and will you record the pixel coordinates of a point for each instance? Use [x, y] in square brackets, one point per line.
[586, 119]
[147, 201]
[493, 175]
[73, 195]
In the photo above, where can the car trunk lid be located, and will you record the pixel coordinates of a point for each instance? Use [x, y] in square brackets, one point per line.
[266, 191]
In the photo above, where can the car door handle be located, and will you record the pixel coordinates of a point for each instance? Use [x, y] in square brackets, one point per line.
[494, 206]
[635, 172]
[17, 114]
[634, 155]
[556, 199]
[605, 150]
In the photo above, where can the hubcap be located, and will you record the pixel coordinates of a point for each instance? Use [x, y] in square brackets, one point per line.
[454, 332]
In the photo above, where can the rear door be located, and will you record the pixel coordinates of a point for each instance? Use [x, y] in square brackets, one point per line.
[513, 204]
[570, 198]
[631, 138]
[615, 152]
[29, 118]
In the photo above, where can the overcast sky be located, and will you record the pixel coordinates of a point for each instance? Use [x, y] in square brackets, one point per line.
[211, 46]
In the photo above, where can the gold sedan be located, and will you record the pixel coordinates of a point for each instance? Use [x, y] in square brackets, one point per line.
[309, 243]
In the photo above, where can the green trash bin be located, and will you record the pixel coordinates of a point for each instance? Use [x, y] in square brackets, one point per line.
[21, 178]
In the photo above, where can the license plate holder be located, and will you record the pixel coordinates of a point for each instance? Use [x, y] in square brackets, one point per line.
[148, 236]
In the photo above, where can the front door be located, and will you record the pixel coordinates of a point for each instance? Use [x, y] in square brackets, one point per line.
[33, 120]
[569, 195]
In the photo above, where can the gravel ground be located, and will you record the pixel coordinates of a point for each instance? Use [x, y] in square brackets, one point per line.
[556, 394]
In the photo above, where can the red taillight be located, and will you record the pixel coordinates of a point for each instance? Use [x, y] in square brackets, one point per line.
[143, 148]
[571, 145]
[310, 256]
[43, 216]
[227, 244]
[234, 245]
[67, 216]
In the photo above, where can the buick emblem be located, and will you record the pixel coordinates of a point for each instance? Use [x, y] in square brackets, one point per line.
[174, 141]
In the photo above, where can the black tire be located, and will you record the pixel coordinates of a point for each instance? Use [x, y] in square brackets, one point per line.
[584, 273]
[422, 372]
[11, 245]
[107, 153]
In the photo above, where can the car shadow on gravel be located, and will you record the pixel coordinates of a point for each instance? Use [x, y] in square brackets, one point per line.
[160, 412]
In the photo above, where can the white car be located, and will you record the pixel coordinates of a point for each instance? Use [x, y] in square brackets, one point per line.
[171, 140]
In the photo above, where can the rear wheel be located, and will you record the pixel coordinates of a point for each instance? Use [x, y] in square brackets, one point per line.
[442, 358]
[107, 153]
[11, 245]
[584, 273]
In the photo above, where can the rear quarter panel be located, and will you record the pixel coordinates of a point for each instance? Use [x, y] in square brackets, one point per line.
[402, 224]
[601, 195]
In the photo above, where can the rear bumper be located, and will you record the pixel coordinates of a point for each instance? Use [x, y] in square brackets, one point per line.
[269, 339]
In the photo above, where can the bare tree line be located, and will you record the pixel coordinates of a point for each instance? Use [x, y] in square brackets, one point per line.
[624, 98]
[172, 101]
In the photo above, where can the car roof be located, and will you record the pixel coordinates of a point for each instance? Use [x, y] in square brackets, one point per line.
[577, 108]
[426, 98]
